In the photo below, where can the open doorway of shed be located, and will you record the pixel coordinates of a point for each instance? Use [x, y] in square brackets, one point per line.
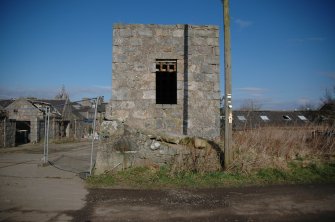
[65, 127]
[22, 132]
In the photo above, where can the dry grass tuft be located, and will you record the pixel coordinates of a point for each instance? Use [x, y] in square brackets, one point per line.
[277, 147]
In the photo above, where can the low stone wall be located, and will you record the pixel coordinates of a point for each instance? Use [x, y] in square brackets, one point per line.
[122, 146]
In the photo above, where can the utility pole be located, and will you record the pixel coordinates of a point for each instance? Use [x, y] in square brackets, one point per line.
[228, 157]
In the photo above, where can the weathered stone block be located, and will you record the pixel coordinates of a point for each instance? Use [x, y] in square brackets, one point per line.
[212, 60]
[139, 67]
[118, 41]
[178, 33]
[208, 69]
[194, 68]
[125, 33]
[121, 94]
[149, 94]
[120, 58]
[148, 85]
[141, 114]
[127, 105]
[145, 32]
[217, 51]
[135, 42]
[198, 41]
[213, 41]
[213, 95]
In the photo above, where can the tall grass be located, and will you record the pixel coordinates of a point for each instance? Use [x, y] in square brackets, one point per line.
[277, 147]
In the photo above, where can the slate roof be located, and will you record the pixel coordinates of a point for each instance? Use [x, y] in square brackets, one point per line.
[59, 105]
[253, 119]
[5, 102]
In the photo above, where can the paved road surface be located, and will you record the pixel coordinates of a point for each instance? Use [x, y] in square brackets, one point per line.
[29, 192]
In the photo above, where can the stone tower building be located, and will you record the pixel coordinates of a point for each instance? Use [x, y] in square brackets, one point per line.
[167, 78]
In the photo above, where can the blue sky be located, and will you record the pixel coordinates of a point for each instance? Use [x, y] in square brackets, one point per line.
[283, 51]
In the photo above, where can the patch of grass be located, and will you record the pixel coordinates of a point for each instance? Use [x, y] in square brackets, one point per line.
[65, 140]
[272, 175]
[103, 180]
[312, 172]
[144, 177]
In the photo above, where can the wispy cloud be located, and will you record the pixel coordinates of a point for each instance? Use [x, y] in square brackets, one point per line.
[90, 92]
[18, 92]
[269, 100]
[252, 91]
[75, 93]
[243, 23]
[330, 75]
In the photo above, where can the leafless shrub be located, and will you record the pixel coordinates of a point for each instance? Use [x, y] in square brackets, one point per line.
[191, 159]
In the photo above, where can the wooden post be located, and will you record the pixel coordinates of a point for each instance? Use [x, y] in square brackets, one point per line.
[228, 157]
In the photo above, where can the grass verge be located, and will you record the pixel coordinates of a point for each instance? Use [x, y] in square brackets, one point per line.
[148, 178]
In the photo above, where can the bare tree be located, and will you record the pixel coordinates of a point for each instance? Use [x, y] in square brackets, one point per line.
[329, 96]
[62, 94]
[250, 105]
[307, 107]
[326, 111]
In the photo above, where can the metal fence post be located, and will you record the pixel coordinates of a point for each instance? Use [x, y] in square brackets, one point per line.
[45, 137]
[47, 143]
[93, 132]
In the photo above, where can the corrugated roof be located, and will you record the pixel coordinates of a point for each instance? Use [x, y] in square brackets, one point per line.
[56, 103]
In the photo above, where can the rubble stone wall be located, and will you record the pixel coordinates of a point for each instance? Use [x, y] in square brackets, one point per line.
[122, 147]
[135, 51]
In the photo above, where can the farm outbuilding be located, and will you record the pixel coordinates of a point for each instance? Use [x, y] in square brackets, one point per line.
[29, 116]
[167, 78]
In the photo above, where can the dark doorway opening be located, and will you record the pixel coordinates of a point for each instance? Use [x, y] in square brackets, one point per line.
[22, 132]
[64, 129]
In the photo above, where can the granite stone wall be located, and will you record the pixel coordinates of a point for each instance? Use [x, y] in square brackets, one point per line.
[136, 49]
[7, 132]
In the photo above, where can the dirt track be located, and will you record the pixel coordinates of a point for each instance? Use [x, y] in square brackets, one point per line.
[271, 203]
[32, 193]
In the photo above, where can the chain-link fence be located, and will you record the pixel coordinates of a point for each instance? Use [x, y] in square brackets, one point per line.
[68, 130]
[78, 123]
